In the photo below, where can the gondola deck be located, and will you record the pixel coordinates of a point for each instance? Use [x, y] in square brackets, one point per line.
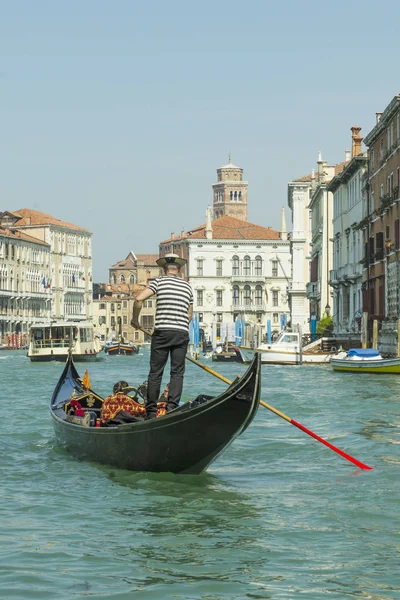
[185, 440]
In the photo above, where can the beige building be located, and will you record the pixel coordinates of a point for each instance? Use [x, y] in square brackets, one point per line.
[230, 193]
[25, 296]
[112, 308]
[134, 269]
[70, 278]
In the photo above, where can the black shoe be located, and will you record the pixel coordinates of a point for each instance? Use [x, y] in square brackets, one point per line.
[150, 416]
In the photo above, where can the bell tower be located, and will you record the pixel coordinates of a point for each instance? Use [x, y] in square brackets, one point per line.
[230, 193]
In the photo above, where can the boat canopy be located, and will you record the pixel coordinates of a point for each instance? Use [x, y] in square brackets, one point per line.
[363, 352]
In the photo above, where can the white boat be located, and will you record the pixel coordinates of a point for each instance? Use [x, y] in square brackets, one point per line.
[287, 350]
[54, 342]
[365, 360]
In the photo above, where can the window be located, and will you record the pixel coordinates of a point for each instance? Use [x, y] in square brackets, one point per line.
[200, 317]
[148, 303]
[199, 297]
[132, 279]
[275, 298]
[102, 306]
[274, 268]
[235, 294]
[246, 266]
[112, 307]
[136, 335]
[258, 295]
[258, 316]
[114, 279]
[275, 318]
[219, 297]
[219, 317]
[125, 320]
[113, 321]
[125, 304]
[200, 267]
[147, 321]
[379, 245]
[102, 320]
[235, 265]
[247, 295]
[258, 266]
[372, 161]
[122, 278]
[219, 268]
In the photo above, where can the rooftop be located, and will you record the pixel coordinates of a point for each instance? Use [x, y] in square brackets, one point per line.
[229, 228]
[32, 218]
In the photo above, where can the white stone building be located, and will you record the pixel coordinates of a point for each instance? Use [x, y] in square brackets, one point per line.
[236, 269]
[25, 297]
[348, 252]
[299, 192]
[70, 277]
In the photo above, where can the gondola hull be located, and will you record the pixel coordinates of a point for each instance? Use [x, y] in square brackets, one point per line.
[186, 440]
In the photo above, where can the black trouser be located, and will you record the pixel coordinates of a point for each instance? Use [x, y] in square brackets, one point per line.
[164, 343]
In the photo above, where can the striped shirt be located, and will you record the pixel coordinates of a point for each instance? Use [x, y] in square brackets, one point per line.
[174, 297]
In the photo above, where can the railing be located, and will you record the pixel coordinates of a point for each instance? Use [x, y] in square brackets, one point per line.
[313, 288]
[250, 277]
[251, 307]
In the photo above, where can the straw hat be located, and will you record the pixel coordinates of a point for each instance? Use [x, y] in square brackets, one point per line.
[171, 259]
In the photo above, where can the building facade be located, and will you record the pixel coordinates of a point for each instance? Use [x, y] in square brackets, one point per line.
[299, 193]
[70, 280]
[321, 256]
[236, 269]
[381, 226]
[348, 250]
[25, 297]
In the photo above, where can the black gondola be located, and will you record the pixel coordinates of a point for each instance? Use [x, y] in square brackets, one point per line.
[185, 440]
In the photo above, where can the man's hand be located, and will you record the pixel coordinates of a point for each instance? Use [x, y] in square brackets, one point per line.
[135, 324]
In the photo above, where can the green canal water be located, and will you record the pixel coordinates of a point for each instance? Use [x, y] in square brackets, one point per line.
[277, 516]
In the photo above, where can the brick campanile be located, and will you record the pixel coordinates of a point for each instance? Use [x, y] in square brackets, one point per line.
[230, 193]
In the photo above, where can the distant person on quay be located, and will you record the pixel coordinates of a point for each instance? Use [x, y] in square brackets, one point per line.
[171, 332]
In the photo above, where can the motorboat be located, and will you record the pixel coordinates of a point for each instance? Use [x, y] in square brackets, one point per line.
[287, 350]
[364, 360]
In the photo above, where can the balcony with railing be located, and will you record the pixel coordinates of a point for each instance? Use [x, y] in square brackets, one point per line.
[251, 277]
[249, 307]
[313, 289]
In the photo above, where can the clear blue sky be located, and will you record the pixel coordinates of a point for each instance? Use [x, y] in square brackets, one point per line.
[115, 115]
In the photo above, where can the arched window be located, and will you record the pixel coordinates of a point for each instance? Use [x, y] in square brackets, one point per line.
[231, 196]
[240, 196]
[114, 279]
[246, 266]
[258, 266]
[122, 278]
[247, 295]
[235, 196]
[258, 295]
[235, 295]
[132, 278]
[235, 265]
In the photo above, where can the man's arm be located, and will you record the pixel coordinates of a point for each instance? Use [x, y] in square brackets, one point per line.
[190, 312]
[137, 306]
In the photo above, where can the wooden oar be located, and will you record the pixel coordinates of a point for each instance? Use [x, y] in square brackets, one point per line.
[283, 416]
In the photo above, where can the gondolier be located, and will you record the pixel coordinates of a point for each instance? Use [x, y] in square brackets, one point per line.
[171, 332]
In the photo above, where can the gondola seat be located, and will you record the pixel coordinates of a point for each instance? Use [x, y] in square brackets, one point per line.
[113, 404]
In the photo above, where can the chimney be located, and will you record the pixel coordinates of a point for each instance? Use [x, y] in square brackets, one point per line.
[347, 155]
[320, 166]
[378, 117]
[182, 235]
[172, 236]
[208, 224]
[284, 235]
[356, 140]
